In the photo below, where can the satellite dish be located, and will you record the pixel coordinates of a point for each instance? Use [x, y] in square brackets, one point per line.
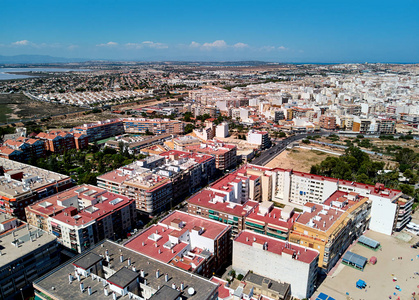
[191, 291]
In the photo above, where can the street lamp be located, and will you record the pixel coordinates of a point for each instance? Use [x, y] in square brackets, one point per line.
[21, 293]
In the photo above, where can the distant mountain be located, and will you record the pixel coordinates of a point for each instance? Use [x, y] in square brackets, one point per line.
[36, 59]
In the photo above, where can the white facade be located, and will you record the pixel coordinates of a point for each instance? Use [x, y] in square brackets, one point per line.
[222, 130]
[382, 215]
[300, 188]
[302, 276]
[254, 137]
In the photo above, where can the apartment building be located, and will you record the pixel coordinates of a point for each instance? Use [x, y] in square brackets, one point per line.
[386, 126]
[156, 126]
[192, 243]
[272, 221]
[22, 184]
[12, 154]
[158, 182]
[300, 188]
[101, 130]
[57, 141]
[278, 260]
[225, 154]
[83, 215]
[331, 227]
[30, 148]
[112, 271]
[260, 138]
[212, 205]
[328, 122]
[27, 253]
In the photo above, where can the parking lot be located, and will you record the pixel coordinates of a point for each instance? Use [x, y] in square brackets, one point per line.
[396, 259]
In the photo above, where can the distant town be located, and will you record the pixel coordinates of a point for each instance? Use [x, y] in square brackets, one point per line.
[176, 180]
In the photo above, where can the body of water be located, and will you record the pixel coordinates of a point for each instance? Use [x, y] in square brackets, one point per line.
[4, 72]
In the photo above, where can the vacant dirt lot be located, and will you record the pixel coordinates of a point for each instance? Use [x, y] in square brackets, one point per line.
[298, 159]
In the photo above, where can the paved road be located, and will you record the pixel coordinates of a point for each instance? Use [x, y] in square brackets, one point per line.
[269, 154]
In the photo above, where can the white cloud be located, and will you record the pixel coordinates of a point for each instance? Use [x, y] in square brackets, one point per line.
[72, 47]
[218, 44]
[146, 44]
[154, 45]
[267, 48]
[108, 44]
[241, 45]
[194, 44]
[282, 48]
[21, 43]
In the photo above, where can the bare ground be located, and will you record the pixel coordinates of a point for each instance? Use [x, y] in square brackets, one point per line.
[298, 159]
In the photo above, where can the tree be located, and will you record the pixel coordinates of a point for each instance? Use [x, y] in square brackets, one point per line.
[148, 132]
[187, 116]
[189, 128]
[407, 158]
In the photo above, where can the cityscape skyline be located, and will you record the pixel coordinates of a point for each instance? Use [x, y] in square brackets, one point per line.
[321, 32]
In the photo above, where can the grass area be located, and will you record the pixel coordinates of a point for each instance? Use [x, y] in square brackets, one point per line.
[24, 108]
[4, 111]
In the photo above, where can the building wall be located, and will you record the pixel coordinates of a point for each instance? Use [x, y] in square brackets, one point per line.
[383, 212]
[26, 269]
[300, 275]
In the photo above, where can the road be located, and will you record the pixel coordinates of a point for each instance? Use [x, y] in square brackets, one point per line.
[269, 154]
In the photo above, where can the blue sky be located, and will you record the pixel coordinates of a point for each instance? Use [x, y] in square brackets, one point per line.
[276, 30]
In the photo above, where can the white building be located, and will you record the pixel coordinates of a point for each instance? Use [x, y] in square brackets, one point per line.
[221, 130]
[278, 260]
[260, 138]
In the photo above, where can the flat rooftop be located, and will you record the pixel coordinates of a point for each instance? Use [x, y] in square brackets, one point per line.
[58, 278]
[23, 235]
[204, 199]
[303, 254]
[319, 217]
[155, 240]
[33, 178]
[272, 218]
[97, 201]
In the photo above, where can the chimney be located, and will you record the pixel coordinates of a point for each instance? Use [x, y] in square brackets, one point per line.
[182, 286]
[78, 276]
[157, 273]
[70, 278]
[106, 252]
[121, 258]
[173, 251]
[108, 258]
[81, 287]
[106, 292]
[166, 277]
[89, 290]
[142, 274]
[129, 261]
[174, 286]
[134, 268]
[114, 296]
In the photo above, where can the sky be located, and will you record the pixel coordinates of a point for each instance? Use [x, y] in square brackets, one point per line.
[212, 30]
